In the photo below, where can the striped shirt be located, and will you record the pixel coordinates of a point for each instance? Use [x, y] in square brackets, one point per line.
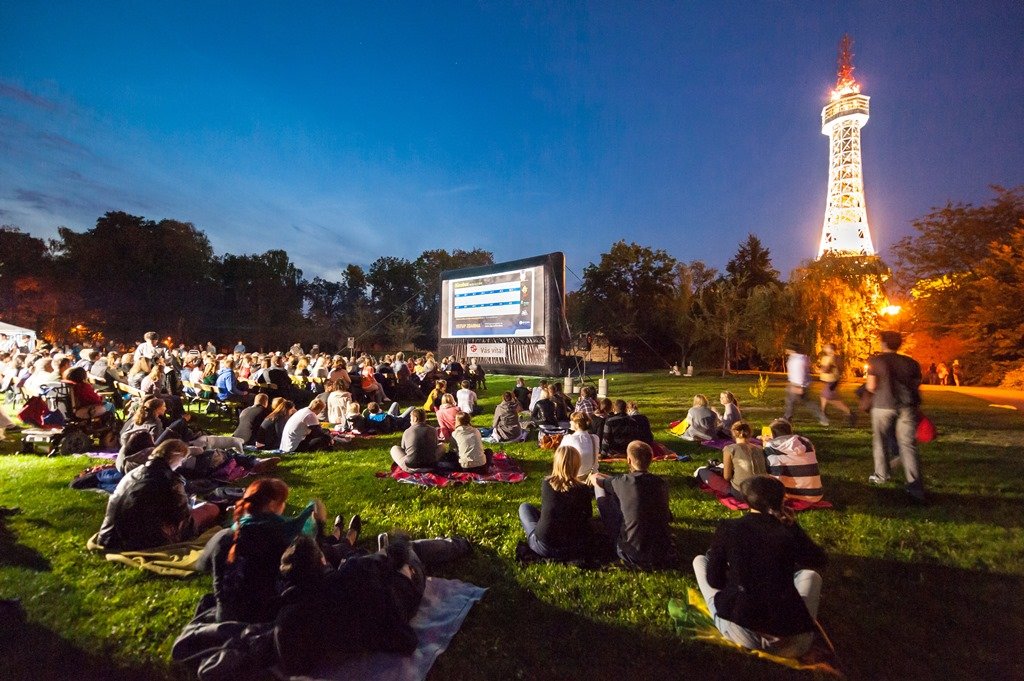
[792, 460]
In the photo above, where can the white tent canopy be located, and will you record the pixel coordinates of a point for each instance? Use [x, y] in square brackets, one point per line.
[18, 331]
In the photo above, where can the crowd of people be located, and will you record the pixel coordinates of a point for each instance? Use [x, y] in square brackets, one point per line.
[758, 576]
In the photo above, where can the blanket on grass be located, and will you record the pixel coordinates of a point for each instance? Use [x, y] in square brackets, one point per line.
[503, 468]
[725, 442]
[693, 620]
[736, 505]
[661, 453]
[446, 602]
[173, 560]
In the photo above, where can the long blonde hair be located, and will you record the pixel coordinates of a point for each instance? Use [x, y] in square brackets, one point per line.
[564, 469]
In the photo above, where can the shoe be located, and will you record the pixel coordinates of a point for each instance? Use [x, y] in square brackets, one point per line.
[823, 422]
[875, 480]
[339, 523]
[264, 465]
[355, 525]
[382, 541]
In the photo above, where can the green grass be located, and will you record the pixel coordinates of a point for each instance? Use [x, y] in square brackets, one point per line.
[910, 592]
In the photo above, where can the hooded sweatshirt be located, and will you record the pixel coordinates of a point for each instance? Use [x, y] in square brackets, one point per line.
[792, 460]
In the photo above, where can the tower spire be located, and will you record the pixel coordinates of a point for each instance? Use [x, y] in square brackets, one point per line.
[845, 82]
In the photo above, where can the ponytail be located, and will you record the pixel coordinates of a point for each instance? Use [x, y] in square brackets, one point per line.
[146, 410]
[258, 497]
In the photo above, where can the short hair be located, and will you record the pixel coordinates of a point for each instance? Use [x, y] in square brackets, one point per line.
[507, 396]
[465, 384]
[373, 407]
[581, 420]
[780, 427]
[641, 454]
[317, 404]
[605, 404]
[588, 391]
[418, 415]
[262, 399]
[150, 335]
[620, 406]
[700, 400]
[741, 429]
[891, 339]
[464, 419]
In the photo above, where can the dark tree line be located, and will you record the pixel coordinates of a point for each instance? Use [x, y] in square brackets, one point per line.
[128, 275]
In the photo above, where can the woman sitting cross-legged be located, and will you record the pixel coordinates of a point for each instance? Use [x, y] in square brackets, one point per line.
[560, 528]
[751, 579]
[702, 419]
[585, 442]
[149, 507]
[506, 426]
[740, 462]
[468, 454]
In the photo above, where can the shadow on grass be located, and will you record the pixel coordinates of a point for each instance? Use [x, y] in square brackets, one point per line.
[14, 554]
[32, 652]
[931, 621]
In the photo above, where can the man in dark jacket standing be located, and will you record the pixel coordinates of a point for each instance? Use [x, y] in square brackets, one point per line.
[894, 381]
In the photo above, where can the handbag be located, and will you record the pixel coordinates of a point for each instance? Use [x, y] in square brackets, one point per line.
[925, 428]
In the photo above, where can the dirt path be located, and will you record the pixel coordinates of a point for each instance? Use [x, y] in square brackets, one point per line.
[1014, 398]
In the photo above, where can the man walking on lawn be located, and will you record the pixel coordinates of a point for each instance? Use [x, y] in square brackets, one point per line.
[894, 380]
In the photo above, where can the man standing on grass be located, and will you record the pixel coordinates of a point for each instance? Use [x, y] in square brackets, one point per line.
[798, 372]
[894, 381]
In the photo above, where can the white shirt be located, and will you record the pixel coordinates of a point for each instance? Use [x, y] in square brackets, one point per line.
[297, 428]
[196, 375]
[797, 369]
[587, 445]
[466, 400]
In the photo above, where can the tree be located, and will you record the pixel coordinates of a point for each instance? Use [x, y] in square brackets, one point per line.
[393, 284]
[629, 297]
[429, 267]
[752, 266]
[261, 298]
[722, 316]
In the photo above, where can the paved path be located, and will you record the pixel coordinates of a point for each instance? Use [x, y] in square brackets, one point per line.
[1014, 398]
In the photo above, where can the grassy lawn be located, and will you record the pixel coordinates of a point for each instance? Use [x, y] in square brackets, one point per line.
[910, 592]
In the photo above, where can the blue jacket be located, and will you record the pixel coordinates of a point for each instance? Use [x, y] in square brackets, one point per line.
[227, 384]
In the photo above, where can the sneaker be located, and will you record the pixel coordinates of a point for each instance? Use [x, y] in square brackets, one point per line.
[355, 525]
[876, 480]
[382, 541]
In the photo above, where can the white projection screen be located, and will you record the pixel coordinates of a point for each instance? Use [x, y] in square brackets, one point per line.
[507, 316]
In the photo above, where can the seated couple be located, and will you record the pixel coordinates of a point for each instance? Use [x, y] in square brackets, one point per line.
[421, 452]
[704, 423]
[634, 510]
[755, 577]
[373, 420]
[788, 457]
[624, 425]
[326, 597]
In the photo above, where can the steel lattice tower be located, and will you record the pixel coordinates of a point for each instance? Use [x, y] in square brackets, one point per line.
[845, 230]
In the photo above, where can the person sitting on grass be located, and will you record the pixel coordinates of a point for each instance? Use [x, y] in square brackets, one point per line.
[587, 403]
[634, 510]
[619, 431]
[467, 399]
[643, 424]
[433, 401]
[419, 450]
[730, 413]
[791, 459]
[750, 577]
[273, 425]
[303, 433]
[703, 422]
[245, 558]
[250, 418]
[563, 405]
[469, 454]
[741, 461]
[560, 528]
[522, 394]
[585, 442]
[446, 417]
[506, 426]
[544, 411]
[149, 507]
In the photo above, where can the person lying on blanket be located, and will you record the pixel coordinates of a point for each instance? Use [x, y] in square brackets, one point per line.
[245, 558]
[749, 577]
[792, 460]
[740, 462]
[634, 510]
[149, 507]
[363, 606]
[560, 528]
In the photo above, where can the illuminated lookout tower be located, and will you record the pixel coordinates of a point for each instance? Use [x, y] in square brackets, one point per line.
[845, 231]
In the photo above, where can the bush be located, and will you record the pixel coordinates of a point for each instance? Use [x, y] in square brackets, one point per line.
[1014, 379]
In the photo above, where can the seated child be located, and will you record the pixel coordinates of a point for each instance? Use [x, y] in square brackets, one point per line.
[792, 460]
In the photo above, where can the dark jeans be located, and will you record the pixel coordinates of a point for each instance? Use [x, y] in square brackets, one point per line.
[529, 516]
[450, 462]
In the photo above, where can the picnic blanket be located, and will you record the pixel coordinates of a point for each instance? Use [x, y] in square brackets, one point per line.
[693, 619]
[722, 443]
[503, 468]
[446, 602]
[661, 453]
[173, 560]
[737, 505]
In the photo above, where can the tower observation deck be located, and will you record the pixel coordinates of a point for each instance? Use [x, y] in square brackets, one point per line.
[845, 230]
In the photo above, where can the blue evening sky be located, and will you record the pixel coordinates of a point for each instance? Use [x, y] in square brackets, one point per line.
[343, 131]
